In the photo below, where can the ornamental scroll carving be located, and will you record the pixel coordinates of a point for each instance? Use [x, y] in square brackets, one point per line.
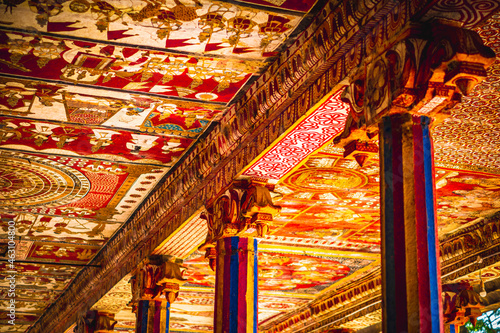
[425, 71]
[158, 278]
[243, 210]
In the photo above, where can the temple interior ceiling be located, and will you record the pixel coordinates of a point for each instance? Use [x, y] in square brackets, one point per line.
[100, 100]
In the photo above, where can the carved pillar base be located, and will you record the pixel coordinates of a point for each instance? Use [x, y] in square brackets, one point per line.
[410, 258]
[152, 316]
[236, 286]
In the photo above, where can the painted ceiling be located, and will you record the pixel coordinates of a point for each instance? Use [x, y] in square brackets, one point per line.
[99, 99]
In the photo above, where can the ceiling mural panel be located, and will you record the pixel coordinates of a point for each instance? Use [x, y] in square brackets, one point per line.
[322, 123]
[29, 135]
[41, 283]
[116, 109]
[25, 306]
[196, 26]
[64, 209]
[333, 198]
[31, 295]
[56, 252]
[330, 198]
[464, 196]
[59, 228]
[85, 188]
[135, 70]
[45, 270]
[25, 320]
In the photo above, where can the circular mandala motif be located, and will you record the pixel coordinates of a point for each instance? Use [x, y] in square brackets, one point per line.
[325, 179]
[35, 182]
[79, 6]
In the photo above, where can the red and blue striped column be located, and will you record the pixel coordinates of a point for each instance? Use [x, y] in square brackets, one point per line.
[152, 316]
[410, 255]
[236, 287]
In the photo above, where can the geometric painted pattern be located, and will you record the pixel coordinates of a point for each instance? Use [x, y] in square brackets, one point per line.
[322, 124]
[50, 183]
[470, 136]
[194, 233]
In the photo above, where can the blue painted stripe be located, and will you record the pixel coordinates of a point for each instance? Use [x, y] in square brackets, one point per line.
[233, 289]
[167, 319]
[255, 287]
[431, 225]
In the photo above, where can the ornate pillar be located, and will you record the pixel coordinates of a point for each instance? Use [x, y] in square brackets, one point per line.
[410, 264]
[95, 322]
[396, 95]
[154, 287]
[233, 220]
[236, 285]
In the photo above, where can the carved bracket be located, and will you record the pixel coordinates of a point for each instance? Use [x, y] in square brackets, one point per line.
[425, 71]
[361, 150]
[158, 278]
[243, 210]
[95, 322]
[460, 304]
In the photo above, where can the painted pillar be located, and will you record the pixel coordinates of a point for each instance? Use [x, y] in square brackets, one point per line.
[410, 254]
[236, 287]
[394, 93]
[233, 219]
[152, 316]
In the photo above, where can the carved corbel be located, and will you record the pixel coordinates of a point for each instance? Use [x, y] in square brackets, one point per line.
[460, 304]
[158, 278]
[425, 71]
[95, 322]
[244, 210]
